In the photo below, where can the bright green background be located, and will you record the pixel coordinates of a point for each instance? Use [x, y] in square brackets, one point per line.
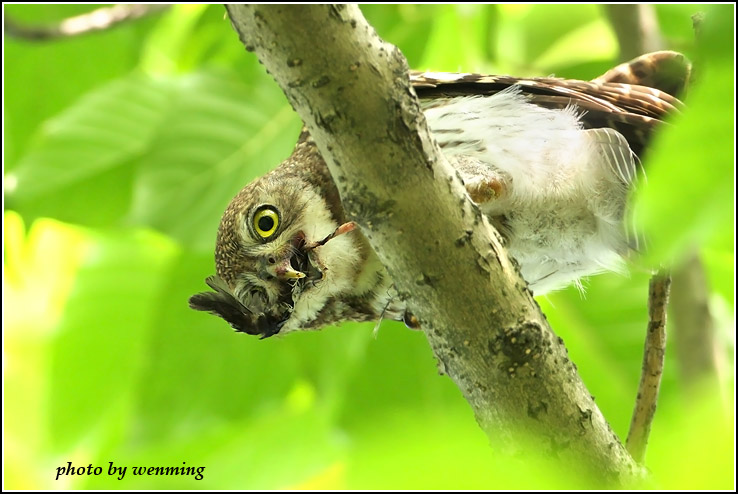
[123, 148]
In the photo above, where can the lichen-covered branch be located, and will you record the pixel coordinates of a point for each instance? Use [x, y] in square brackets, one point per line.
[352, 91]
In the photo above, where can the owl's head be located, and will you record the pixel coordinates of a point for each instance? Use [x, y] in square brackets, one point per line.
[271, 250]
[260, 250]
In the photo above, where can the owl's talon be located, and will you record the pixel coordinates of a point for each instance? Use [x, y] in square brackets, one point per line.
[411, 321]
[485, 190]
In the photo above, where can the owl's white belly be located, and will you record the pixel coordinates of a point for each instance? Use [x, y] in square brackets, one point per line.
[564, 188]
[554, 251]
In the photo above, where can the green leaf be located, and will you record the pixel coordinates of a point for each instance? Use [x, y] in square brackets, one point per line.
[406, 26]
[105, 129]
[689, 196]
[99, 348]
[167, 153]
[692, 444]
[43, 78]
[163, 52]
[212, 143]
[596, 36]
[200, 371]
[526, 32]
[457, 40]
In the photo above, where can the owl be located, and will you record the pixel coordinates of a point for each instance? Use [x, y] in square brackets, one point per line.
[549, 161]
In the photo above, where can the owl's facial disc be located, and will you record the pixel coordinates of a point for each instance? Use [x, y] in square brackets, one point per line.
[275, 246]
[272, 277]
[294, 268]
[272, 256]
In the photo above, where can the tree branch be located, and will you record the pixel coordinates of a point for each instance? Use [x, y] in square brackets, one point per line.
[352, 91]
[652, 368]
[98, 20]
[693, 327]
[636, 28]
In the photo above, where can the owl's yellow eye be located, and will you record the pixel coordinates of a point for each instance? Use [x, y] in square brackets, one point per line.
[266, 221]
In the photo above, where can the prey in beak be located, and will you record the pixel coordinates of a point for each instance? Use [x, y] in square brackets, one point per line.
[299, 268]
[284, 269]
[345, 228]
[302, 260]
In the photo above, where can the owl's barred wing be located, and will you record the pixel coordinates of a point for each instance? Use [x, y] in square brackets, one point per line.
[223, 304]
[667, 71]
[632, 109]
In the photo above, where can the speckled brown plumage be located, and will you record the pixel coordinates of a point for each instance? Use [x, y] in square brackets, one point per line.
[514, 143]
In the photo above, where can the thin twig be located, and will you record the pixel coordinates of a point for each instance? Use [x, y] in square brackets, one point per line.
[653, 366]
[97, 20]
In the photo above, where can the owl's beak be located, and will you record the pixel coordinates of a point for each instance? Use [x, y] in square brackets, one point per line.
[284, 270]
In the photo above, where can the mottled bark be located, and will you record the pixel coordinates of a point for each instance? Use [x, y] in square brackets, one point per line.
[352, 91]
[652, 368]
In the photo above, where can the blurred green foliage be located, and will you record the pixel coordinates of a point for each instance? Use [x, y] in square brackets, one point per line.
[122, 148]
